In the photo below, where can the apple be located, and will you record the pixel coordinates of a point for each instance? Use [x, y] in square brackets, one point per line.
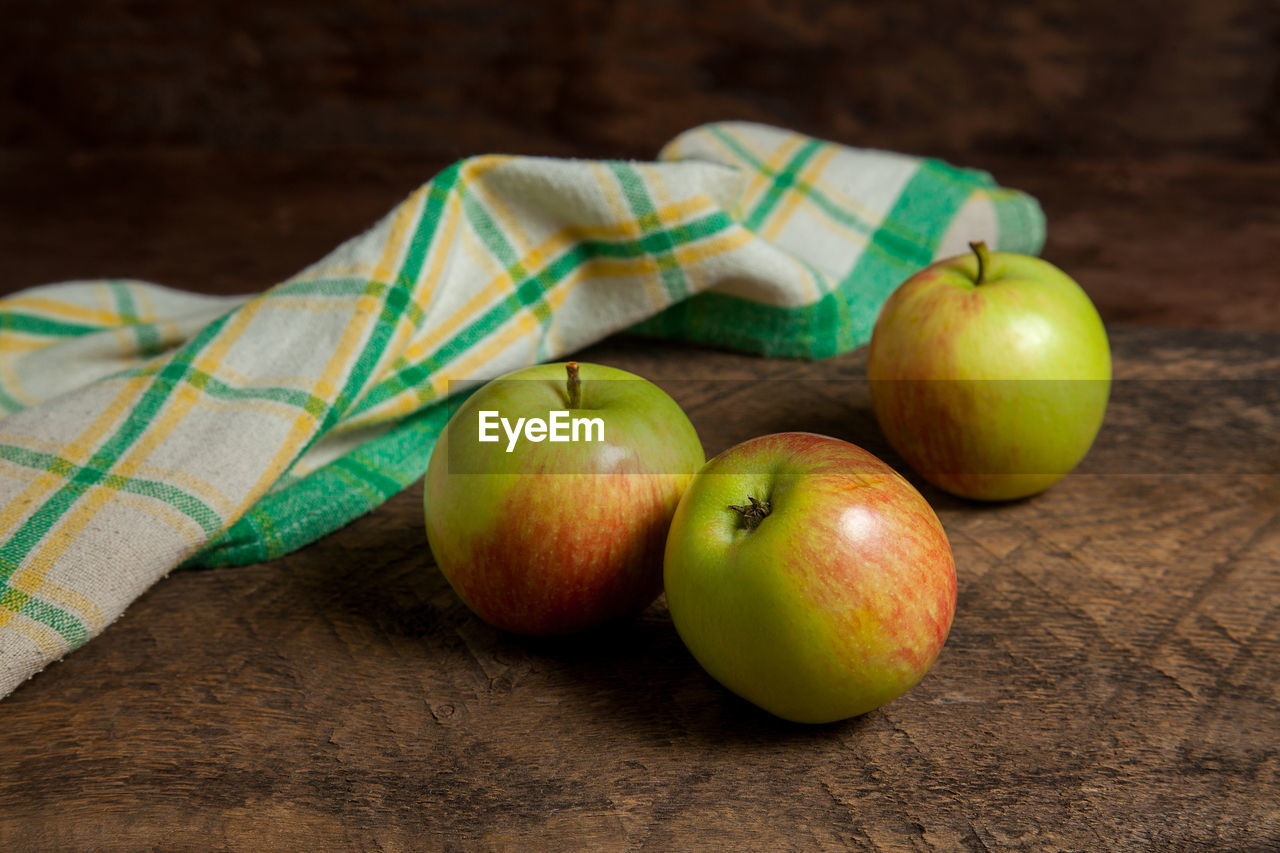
[809, 577]
[990, 373]
[549, 494]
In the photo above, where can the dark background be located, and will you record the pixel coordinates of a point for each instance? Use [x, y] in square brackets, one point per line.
[222, 146]
[446, 79]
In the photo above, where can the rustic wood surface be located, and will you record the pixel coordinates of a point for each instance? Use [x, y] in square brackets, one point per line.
[1111, 679]
[1110, 682]
[453, 77]
[224, 146]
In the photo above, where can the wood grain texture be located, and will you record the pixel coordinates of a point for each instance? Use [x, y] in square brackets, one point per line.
[451, 77]
[1110, 682]
[1111, 679]
[223, 146]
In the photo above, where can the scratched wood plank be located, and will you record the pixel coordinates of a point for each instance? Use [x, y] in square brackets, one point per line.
[1082, 78]
[1111, 682]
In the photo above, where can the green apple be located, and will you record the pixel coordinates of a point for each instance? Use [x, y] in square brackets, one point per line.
[549, 494]
[990, 373]
[808, 577]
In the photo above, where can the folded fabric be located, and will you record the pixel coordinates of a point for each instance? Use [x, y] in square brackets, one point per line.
[144, 428]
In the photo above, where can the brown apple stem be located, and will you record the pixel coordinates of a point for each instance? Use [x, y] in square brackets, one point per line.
[753, 514]
[573, 385]
[980, 249]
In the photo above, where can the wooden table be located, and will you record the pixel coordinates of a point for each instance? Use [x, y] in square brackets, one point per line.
[1110, 681]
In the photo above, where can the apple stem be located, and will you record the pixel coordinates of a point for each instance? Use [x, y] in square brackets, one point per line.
[753, 514]
[980, 249]
[573, 385]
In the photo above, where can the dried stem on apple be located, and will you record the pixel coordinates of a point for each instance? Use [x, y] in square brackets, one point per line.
[980, 249]
[753, 514]
[573, 385]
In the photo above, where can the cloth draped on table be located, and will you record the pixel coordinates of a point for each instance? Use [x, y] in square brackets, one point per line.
[144, 428]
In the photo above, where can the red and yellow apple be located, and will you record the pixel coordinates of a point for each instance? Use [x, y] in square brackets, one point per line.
[808, 577]
[990, 373]
[540, 534]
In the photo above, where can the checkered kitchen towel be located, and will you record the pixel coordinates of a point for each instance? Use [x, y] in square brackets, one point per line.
[143, 428]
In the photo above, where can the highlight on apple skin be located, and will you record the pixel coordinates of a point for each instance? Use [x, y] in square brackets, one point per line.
[990, 374]
[546, 537]
[808, 577]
